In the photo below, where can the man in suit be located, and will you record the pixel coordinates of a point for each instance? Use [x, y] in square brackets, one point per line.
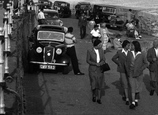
[95, 59]
[152, 57]
[120, 58]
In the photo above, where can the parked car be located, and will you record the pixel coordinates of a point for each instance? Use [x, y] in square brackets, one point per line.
[63, 8]
[47, 49]
[45, 4]
[52, 17]
[110, 15]
[83, 7]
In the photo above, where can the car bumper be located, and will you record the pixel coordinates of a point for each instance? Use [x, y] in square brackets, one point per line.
[47, 63]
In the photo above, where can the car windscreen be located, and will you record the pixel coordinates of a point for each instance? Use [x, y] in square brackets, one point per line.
[108, 10]
[85, 6]
[51, 15]
[50, 35]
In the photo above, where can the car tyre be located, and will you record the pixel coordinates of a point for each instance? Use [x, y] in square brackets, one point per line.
[66, 70]
[32, 68]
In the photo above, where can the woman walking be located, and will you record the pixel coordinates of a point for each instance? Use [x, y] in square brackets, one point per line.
[136, 62]
[96, 58]
[120, 58]
[104, 35]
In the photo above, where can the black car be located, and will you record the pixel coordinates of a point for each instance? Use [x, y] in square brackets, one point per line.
[52, 17]
[83, 7]
[109, 14]
[45, 4]
[47, 49]
[63, 8]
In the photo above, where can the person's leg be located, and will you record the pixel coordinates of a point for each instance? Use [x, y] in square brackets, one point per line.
[84, 31]
[81, 32]
[139, 83]
[132, 85]
[125, 86]
[152, 82]
[74, 60]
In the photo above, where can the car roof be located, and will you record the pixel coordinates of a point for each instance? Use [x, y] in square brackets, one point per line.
[51, 28]
[50, 10]
[61, 2]
[86, 3]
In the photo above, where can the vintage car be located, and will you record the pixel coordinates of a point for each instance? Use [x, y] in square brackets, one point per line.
[63, 8]
[47, 49]
[45, 4]
[110, 15]
[52, 17]
[83, 7]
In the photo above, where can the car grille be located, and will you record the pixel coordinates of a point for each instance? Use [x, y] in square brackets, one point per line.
[48, 54]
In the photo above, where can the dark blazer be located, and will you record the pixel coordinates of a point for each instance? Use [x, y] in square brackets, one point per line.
[140, 63]
[92, 58]
[153, 66]
[119, 58]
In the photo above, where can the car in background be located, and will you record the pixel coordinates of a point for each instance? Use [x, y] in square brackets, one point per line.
[110, 15]
[63, 8]
[52, 17]
[83, 7]
[47, 49]
[45, 4]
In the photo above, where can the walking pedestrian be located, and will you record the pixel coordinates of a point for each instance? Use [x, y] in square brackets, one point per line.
[136, 62]
[120, 58]
[152, 57]
[82, 23]
[70, 41]
[104, 35]
[96, 58]
[41, 17]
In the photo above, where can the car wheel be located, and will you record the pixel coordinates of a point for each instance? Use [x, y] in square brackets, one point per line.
[66, 70]
[32, 68]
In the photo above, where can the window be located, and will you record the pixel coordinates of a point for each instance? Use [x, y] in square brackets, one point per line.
[50, 35]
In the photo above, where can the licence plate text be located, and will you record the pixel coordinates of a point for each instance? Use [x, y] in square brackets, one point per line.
[52, 67]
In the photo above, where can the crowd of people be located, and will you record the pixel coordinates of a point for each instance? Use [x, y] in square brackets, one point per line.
[129, 58]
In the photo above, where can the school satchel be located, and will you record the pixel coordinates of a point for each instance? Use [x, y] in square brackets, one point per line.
[105, 67]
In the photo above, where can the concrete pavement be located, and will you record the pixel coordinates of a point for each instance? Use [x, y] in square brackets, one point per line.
[56, 94]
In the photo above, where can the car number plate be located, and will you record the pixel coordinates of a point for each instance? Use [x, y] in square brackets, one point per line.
[52, 67]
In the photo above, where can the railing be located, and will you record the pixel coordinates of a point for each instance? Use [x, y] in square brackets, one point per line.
[18, 33]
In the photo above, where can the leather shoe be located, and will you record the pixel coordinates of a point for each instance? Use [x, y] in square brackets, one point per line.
[152, 92]
[99, 101]
[94, 99]
[132, 106]
[136, 103]
[79, 73]
[127, 102]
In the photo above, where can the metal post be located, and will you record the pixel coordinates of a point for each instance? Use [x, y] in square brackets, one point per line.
[6, 42]
[9, 25]
[2, 105]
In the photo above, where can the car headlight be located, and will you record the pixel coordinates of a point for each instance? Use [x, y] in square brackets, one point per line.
[39, 50]
[58, 51]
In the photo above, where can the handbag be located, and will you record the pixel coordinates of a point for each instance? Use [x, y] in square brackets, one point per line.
[105, 67]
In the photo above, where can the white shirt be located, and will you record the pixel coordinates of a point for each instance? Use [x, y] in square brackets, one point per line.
[156, 51]
[41, 15]
[98, 56]
[134, 55]
[95, 33]
[124, 52]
